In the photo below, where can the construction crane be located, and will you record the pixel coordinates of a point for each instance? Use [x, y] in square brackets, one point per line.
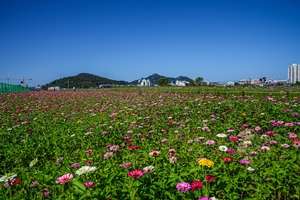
[23, 84]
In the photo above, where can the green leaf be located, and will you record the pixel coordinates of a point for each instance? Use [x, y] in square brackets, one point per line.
[78, 186]
[110, 177]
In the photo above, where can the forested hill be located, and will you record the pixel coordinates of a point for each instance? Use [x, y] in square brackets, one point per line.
[83, 80]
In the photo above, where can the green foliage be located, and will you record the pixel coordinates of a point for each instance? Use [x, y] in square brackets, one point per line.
[42, 126]
[163, 82]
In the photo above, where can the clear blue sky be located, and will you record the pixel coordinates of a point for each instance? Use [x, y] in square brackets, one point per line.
[219, 40]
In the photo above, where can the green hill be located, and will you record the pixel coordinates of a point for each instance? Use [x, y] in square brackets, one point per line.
[83, 80]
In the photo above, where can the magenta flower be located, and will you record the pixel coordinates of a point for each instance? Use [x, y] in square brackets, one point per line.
[205, 198]
[183, 187]
[245, 162]
[75, 165]
[89, 184]
[104, 133]
[127, 165]
[64, 179]
[136, 173]
[231, 151]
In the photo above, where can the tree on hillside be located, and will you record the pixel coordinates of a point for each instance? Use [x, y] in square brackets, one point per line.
[192, 83]
[163, 82]
[198, 80]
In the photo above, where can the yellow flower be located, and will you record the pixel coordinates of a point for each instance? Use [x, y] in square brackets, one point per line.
[79, 121]
[117, 122]
[207, 163]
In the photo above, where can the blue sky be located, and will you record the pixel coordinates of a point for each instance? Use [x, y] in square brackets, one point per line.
[219, 40]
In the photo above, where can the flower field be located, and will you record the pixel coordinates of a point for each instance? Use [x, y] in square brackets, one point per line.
[149, 145]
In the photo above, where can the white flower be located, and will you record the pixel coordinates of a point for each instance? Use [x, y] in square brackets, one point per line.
[148, 169]
[154, 153]
[250, 169]
[223, 148]
[173, 159]
[263, 136]
[33, 162]
[221, 135]
[8, 177]
[247, 142]
[85, 169]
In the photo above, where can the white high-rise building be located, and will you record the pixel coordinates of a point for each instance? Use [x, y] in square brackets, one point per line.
[293, 73]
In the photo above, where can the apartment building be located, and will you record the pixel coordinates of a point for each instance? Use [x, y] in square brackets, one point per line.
[293, 73]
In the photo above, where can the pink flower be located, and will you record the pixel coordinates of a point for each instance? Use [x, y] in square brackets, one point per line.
[75, 165]
[64, 179]
[34, 184]
[108, 155]
[183, 187]
[285, 145]
[292, 136]
[273, 142]
[210, 142]
[24, 123]
[114, 148]
[257, 128]
[6, 185]
[288, 124]
[230, 131]
[89, 151]
[253, 153]
[89, 184]
[266, 148]
[88, 133]
[136, 173]
[104, 133]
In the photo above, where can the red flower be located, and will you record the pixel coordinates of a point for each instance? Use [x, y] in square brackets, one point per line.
[196, 131]
[229, 111]
[14, 181]
[209, 178]
[171, 121]
[133, 147]
[129, 140]
[196, 185]
[227, 159]
[233, 138]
